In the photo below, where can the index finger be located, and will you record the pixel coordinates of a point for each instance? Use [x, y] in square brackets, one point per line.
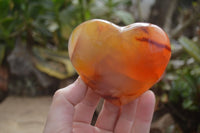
[75, 92]
[60, 116]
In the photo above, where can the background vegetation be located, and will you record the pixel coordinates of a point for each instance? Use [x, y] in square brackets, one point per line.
[34, 59]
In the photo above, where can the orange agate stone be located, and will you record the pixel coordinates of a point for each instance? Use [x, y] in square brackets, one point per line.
[119, 63]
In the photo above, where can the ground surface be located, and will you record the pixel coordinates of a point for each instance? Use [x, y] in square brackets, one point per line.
[23, 115]
[28, 115]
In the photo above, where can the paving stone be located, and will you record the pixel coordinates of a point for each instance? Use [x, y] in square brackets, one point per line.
[23, 115]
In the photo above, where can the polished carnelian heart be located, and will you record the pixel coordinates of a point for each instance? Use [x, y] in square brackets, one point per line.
[119, 63]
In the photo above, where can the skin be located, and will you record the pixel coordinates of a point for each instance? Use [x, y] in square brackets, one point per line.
[73, 107]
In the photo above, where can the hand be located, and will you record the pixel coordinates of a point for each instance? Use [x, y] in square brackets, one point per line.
[73, 107]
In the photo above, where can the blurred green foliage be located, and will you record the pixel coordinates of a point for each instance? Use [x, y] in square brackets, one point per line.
[185, 89]
[192, 49]
[29, 19]
[45, 22]
[49, 23]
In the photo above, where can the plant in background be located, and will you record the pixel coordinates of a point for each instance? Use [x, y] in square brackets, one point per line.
[116, 11]
[48, 23]
[26, 28]
[186, 88]
[192, 75]
[184, 92]
[81, 10]
[35, 33]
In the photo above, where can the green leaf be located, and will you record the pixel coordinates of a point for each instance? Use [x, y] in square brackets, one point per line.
[118, 2]
[7, 25]
[184, 90]
[41, 28]
[69, 14]
[53, 63]
[190, 47]
[99, 9]
[2, 53]
[4, 7]
[124, 16]
[58, 4]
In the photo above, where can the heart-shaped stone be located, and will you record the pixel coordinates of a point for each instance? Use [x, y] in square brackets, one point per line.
[119, 63]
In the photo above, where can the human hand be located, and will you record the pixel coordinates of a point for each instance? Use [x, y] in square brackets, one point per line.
[73, 107]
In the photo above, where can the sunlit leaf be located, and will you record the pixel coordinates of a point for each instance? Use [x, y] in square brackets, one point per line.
[190, 47]
[124, 16]
[53, 27]
[118, 2]
[54, 63]
[98, 8]
[69, 14]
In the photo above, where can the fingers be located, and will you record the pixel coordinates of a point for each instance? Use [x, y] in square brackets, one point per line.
[134, 117]
[108, 117]
[60, 116]
[85, 109]
[75, 92]
[126, 119]
[144, 113]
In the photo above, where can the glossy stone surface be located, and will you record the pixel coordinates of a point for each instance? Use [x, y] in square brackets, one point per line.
[119, 63]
